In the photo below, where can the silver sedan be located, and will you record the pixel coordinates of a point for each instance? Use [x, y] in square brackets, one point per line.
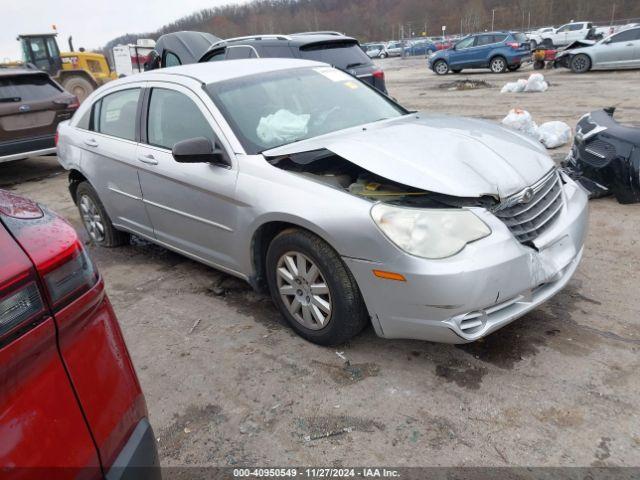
[619, 51]
[347, 207]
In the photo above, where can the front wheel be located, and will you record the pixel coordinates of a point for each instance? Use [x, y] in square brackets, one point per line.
[581, 63]
[498, 65]
[313, 288]
[95, 218]
[441, 67]
[383, 55]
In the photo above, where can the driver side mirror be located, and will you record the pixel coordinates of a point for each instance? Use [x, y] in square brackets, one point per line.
[199, 150]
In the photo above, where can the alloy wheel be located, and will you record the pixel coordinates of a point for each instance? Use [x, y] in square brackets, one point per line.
[303, 290]
[498, 65]
[441, 68]
[92, 219]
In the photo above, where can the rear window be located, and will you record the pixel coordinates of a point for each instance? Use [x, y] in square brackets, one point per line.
[339, 54]
[27, 88]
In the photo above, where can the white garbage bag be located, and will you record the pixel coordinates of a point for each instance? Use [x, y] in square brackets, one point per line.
[282, 126]
[521, 120]
[536, 83]
[554, 134]
[514, 87]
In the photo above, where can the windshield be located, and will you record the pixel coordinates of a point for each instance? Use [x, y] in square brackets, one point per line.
[285, 106]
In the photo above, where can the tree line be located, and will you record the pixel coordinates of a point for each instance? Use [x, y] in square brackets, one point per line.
[379, 20]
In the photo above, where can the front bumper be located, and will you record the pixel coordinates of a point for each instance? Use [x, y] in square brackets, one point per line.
[491, 283]
[138, 459]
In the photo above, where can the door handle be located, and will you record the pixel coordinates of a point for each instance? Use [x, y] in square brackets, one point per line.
[91, 142]
[148, 159]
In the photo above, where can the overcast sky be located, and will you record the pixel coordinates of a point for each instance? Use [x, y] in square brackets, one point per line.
[92, 23]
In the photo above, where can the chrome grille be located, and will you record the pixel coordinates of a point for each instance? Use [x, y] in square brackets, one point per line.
[527, 220]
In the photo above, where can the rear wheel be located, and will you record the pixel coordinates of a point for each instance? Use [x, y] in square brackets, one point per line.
[383, 55]
[313, 288]
[498, 65]
[581, 63]
[538, 65]
[80, 87]
[441, 67]
[95, 218]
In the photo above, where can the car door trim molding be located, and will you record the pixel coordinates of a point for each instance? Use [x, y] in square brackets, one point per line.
[115, 190]
[188, 215]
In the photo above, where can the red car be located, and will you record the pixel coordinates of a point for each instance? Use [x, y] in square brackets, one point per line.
[70, 401]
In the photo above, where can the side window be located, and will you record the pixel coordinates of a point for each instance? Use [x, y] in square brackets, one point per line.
[237, 53]
[85, 120]
[53, 47]
[575, 27]
[283, 51]
[564, 28]
[484, 40]
[217, 56]
[174, 117]
[117, 114]
[626, 36]
[171, 60]
[466, 43]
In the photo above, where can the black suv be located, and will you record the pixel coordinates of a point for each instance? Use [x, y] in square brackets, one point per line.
[333, 48]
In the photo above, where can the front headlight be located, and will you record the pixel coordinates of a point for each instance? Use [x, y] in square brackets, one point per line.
[429, 232]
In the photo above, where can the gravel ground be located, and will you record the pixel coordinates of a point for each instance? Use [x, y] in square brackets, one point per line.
[228, 384]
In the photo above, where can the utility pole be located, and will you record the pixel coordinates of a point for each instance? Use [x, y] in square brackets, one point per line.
[613, 12]
[493, 17]
[529, 22]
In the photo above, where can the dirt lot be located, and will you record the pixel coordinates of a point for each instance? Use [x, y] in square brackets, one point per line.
[228, 384]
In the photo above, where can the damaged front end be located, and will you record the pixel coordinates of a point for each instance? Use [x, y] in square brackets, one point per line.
[605, 157]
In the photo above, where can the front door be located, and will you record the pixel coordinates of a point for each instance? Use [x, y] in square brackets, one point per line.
[462, 55]
[191, 205]
[621, 51]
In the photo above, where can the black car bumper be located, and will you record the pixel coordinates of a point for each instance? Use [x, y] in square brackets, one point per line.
[138, 459]
[27, 147]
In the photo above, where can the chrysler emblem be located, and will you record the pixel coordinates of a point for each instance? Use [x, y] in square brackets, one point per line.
[527, 195]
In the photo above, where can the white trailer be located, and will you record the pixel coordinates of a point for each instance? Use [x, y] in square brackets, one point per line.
[130, 59]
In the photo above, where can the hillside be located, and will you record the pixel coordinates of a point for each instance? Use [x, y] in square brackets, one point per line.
[382, 19]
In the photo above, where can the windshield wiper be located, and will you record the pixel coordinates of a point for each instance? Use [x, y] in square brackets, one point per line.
[10, 99]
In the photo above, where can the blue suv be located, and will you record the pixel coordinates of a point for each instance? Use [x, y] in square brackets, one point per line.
[498, 51]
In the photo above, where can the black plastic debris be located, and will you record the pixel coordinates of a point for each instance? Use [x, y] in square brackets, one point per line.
[605, 157]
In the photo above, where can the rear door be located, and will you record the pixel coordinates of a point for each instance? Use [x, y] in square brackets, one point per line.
[41, 423]
[191, 205]
[28, 112]
[110, 158]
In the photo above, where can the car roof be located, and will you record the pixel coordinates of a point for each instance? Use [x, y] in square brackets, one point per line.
[294, 40]
[212, 72]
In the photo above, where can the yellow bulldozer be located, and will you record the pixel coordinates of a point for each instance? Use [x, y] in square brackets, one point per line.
[79, 72]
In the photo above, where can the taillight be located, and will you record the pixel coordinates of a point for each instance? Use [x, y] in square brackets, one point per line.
[75, 103]
[21, 304]
[55, 139]
[68, 275]
[379, 74]
[514, 45]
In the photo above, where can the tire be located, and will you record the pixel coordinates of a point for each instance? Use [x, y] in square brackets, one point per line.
[93, 214]
[347, 314]
[547, 43]
[538, 65]
[498, 64]
[457, 70]
[383, 55]
[78, 86]
[513, 68]
[533, 44]
[441, 67]
[581, 63]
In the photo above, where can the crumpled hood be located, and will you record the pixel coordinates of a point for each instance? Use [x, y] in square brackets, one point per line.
[463, 157]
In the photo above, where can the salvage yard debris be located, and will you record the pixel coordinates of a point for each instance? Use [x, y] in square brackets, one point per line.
[465, 84]
[552, 134]
[535, 83]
